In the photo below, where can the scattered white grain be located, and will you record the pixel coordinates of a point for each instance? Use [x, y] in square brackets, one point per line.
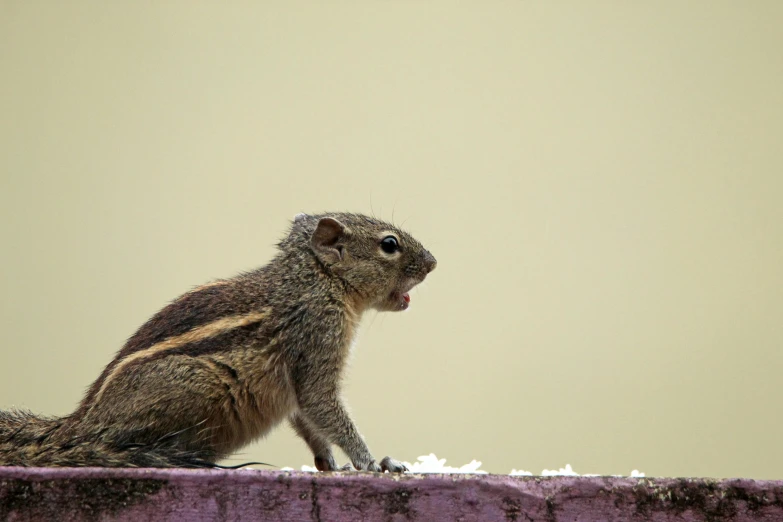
[432, 464]
[567, 471]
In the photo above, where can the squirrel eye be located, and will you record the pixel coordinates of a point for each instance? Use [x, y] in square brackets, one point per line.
[389, 244]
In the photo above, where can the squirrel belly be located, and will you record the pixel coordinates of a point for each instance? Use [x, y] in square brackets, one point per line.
[226, 362]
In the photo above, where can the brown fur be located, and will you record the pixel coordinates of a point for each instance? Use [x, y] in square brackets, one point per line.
[226, 362]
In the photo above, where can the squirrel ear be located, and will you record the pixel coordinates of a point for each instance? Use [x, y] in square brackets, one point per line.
[325, 238]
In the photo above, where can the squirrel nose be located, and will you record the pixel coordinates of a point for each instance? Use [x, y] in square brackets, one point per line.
[429, 261]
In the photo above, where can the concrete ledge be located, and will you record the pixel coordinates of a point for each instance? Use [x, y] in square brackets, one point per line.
[151, 494]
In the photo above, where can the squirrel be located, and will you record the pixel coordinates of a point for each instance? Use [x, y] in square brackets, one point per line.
[224, 363]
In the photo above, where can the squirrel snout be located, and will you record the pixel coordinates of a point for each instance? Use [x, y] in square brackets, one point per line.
[429, 261]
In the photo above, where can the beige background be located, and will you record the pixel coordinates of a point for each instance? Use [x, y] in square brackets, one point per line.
[600, 182]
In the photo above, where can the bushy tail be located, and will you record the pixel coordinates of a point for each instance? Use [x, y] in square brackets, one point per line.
[27, 439]
[24, 426]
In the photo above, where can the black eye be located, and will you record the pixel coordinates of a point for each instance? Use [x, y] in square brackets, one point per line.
[389, 244]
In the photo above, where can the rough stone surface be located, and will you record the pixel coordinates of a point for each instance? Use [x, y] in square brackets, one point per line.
[148, 494]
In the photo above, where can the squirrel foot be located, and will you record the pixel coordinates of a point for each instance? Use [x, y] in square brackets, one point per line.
[387, 464]
[326, 463]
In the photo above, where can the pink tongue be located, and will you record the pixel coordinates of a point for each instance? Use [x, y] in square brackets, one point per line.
[406, 297]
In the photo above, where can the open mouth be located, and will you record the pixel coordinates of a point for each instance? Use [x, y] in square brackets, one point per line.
[402, 299]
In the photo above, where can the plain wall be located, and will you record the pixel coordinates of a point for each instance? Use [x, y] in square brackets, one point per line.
[601, 182]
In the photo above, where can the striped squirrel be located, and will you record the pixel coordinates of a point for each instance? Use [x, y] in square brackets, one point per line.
[224, 363]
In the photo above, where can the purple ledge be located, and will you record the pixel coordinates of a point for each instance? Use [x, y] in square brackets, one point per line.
[151, 494]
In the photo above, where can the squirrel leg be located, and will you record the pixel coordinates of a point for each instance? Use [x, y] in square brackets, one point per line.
[322, 451]
[335, 423]
[327, 415]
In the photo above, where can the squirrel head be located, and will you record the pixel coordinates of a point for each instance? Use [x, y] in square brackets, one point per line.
[377, 262]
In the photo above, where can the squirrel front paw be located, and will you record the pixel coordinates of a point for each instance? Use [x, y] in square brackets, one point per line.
[393, 466]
